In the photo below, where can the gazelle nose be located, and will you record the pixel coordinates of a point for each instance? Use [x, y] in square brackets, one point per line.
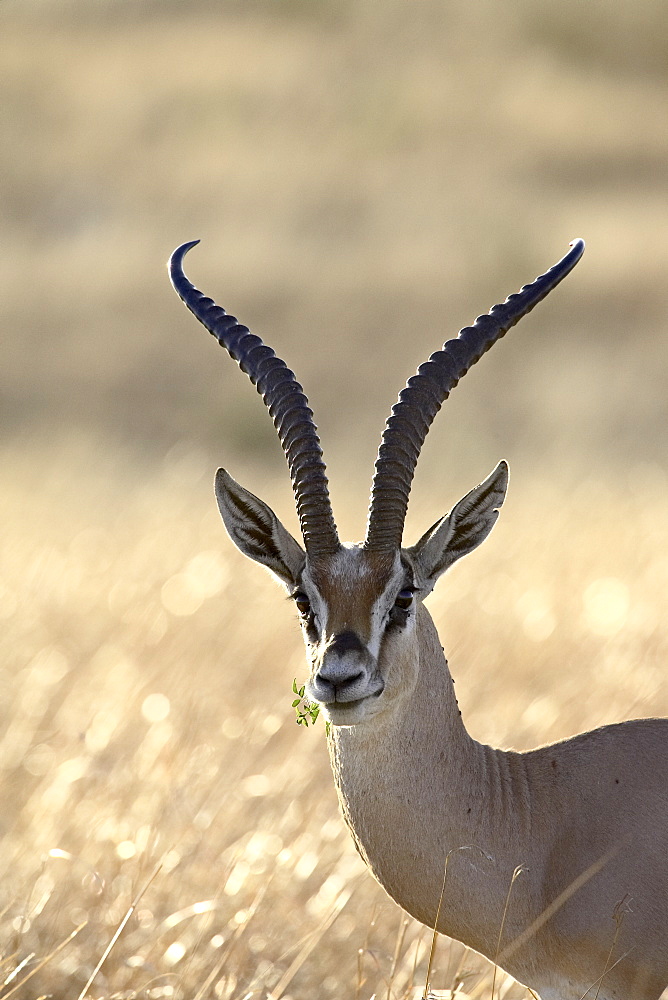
[337, 687]
[341, 674]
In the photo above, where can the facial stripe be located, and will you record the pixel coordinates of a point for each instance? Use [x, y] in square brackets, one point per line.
[352, 592]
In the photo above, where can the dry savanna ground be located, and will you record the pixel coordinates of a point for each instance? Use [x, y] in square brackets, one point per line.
[152, 765]
[365, 179]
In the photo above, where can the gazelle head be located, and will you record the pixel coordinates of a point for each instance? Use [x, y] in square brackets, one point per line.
[359, 604]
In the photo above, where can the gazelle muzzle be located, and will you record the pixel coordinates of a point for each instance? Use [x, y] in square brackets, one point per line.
[345, 671]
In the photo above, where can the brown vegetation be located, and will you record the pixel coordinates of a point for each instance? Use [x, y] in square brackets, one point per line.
[147, 687]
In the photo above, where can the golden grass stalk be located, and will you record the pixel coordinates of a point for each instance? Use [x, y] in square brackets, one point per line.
[119, 930]
[47, 958]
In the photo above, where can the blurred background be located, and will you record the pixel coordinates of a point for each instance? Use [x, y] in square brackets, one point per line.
[365, 179]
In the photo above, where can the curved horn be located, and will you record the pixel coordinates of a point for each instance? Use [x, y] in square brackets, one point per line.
[421, 399]
[285, 400]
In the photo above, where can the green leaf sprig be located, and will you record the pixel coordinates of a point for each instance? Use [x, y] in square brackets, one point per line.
[306, 711]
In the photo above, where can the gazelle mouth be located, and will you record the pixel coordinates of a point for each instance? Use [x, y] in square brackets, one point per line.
[347, 713]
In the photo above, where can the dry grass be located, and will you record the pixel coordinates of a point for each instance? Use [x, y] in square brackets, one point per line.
[146, 697]
[365, 178]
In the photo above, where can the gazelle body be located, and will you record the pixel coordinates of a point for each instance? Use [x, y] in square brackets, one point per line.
[553, 862]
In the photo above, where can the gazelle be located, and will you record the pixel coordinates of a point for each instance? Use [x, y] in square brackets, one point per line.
[586, 819]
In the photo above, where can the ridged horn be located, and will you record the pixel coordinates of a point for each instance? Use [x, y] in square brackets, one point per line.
[423, 395]
[287, 404]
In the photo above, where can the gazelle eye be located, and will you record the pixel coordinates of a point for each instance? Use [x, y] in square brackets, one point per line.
[303, 604]
[404, 599]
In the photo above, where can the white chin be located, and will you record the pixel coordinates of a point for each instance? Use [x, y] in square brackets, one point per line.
[341, 713]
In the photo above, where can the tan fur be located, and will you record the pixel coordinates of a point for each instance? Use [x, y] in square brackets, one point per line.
[585, 821]
[592, 840]
[556, 859]
[348, 583]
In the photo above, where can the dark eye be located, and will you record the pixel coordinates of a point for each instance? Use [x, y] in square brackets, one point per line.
[303, 604]
[404, 599]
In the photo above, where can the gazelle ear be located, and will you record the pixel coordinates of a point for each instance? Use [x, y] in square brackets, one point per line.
[257, 532]
[462, 530]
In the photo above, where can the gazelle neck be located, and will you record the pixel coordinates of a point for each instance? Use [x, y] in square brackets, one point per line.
[416, 790]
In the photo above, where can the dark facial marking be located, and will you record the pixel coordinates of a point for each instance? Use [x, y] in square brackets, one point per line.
[404, 602]
[346, 642]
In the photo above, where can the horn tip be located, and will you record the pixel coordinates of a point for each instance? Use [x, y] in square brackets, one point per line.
[176, 258]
